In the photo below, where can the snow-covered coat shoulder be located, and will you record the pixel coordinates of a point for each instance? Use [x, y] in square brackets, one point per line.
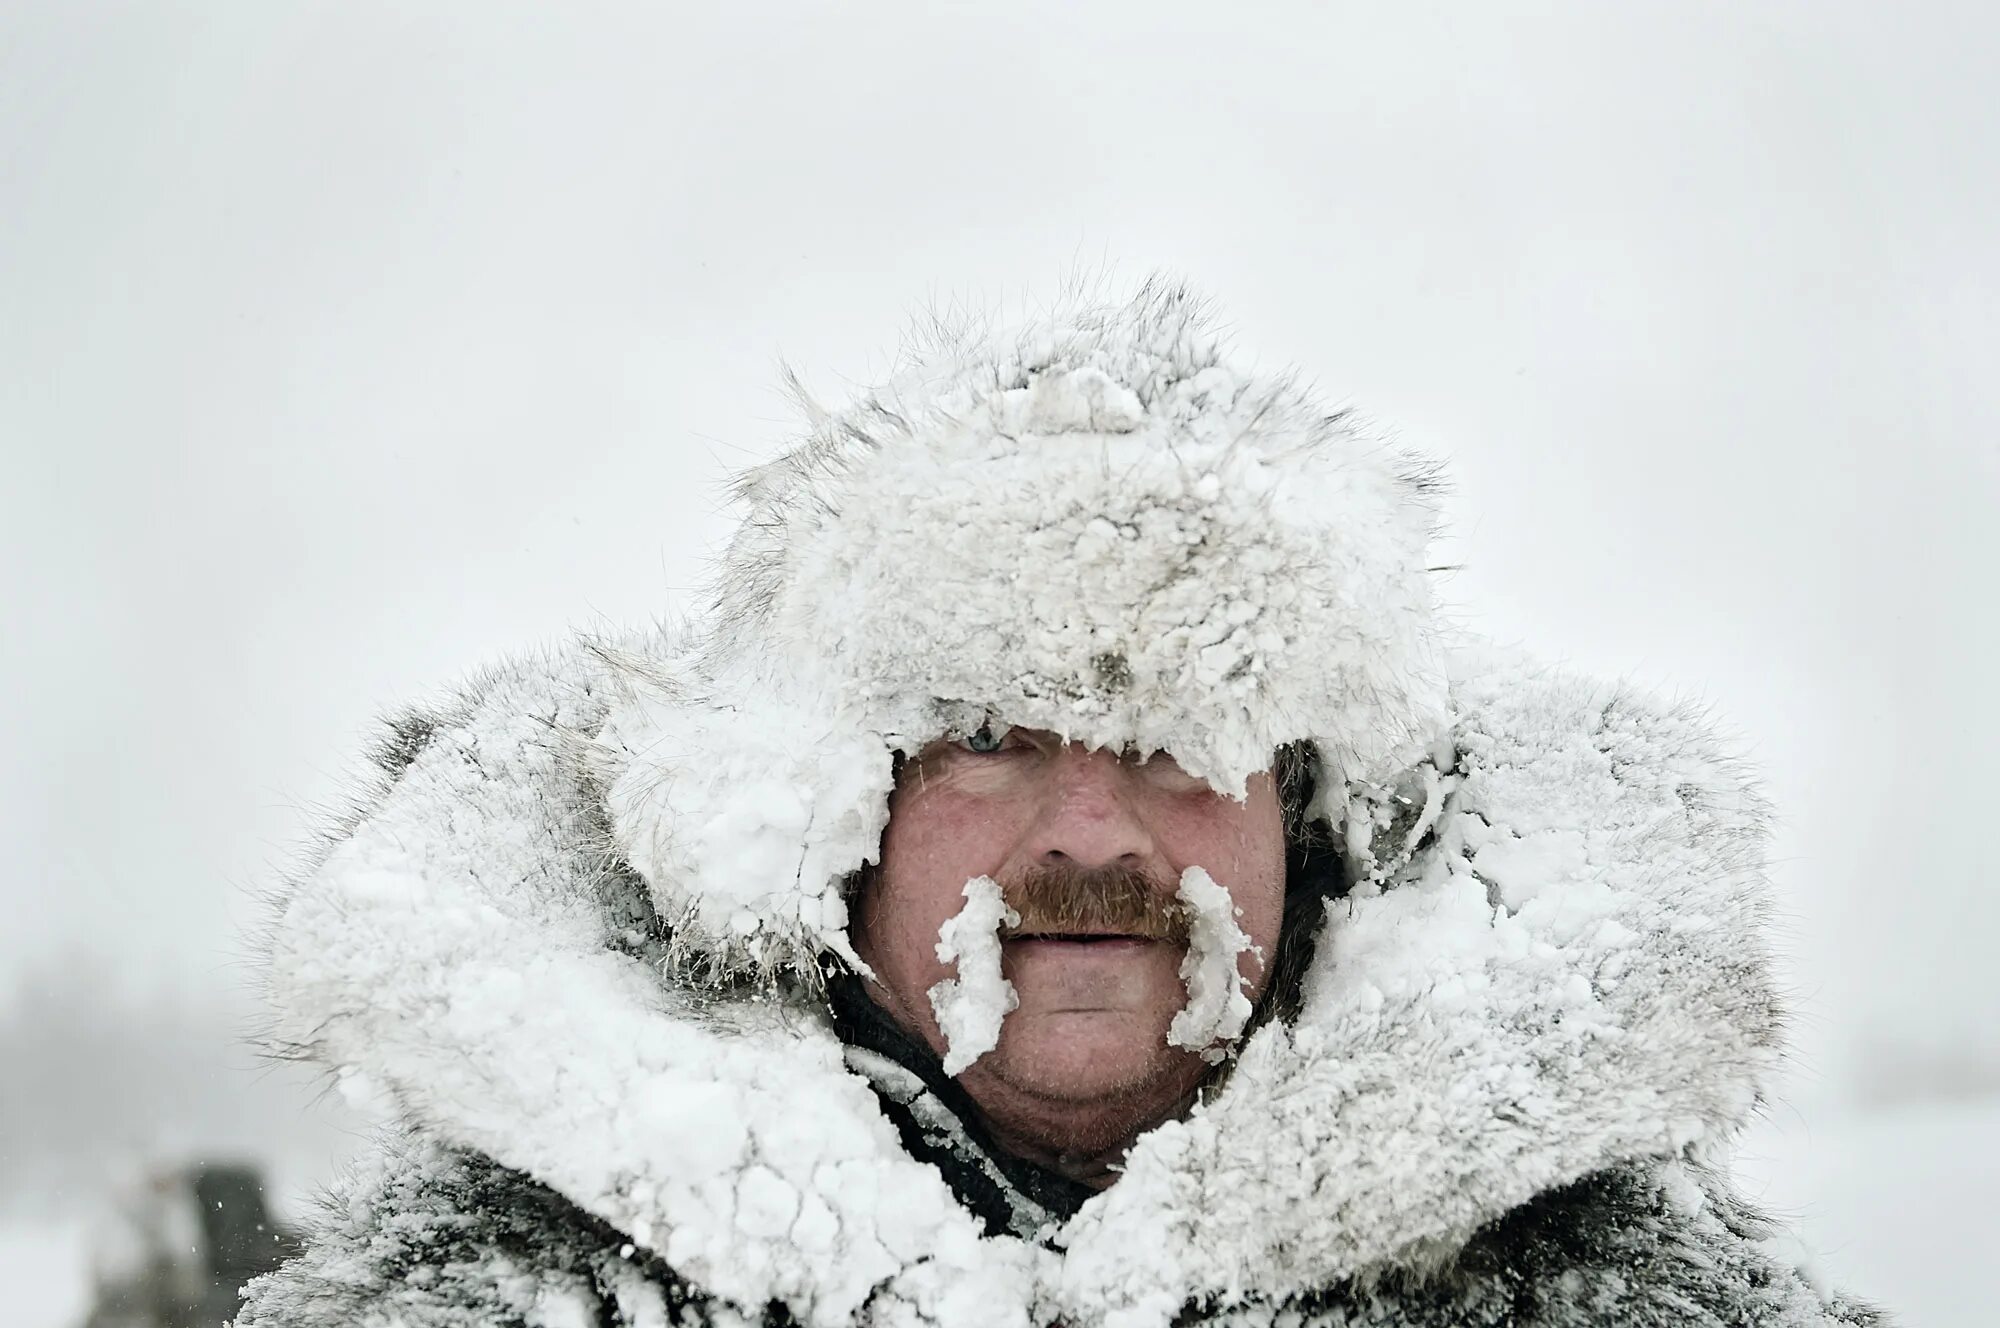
[573, 937]
[1526, 1042]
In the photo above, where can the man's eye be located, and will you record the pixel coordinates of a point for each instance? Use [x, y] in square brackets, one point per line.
[986, 739]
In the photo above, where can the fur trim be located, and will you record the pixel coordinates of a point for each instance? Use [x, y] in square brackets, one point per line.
[1564, 972]
[428, 1238]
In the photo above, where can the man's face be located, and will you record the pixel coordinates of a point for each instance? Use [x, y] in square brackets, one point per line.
[1087, 1046]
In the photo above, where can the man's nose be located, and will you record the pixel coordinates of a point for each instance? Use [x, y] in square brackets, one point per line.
[1089, 816]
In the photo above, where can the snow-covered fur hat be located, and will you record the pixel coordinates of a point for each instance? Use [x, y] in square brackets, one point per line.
[1095, 525]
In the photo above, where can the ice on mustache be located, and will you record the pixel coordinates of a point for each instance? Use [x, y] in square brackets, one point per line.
[971, 1007]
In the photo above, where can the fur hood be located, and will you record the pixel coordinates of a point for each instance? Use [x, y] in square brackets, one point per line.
[574, 932]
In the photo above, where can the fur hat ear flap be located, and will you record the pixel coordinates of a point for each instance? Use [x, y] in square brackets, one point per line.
[745, 811]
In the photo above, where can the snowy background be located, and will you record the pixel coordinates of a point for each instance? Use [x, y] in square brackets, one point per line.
[343, 345]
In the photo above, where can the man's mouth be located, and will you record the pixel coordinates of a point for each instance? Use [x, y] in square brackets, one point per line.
[1082, 938]
[1103, 908]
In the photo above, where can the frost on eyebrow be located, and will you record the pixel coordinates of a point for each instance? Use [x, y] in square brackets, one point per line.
[1218, 1007]
[970, 1007]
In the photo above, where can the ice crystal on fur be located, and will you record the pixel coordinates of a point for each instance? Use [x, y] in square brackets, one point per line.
[1217, 1005]
[971, 1006]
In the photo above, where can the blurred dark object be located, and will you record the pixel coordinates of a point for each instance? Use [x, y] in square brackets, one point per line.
[180, 1247]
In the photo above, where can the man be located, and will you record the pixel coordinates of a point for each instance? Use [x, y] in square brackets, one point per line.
[1070, 878]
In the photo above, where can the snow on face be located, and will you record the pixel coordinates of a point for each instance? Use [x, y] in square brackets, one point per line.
[1218, 1000]
[969, 1008]
[1095, 996]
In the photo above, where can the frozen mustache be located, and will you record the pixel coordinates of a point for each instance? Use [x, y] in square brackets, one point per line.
[1052, 901]
[970, 1007]
[1067, 901]
[1218, 1007]
[1105, 901]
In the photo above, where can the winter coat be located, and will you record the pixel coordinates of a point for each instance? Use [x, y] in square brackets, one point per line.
[578, 940]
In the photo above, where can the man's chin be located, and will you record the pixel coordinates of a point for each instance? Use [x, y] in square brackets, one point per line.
[1084, 1057]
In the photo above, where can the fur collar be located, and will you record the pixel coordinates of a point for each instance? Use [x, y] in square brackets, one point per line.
[561, 935]
[1556, 968]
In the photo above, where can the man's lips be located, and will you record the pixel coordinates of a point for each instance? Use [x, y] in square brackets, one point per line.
[1081, 940]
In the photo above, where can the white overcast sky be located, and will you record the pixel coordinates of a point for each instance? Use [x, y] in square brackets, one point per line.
[344, 345]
